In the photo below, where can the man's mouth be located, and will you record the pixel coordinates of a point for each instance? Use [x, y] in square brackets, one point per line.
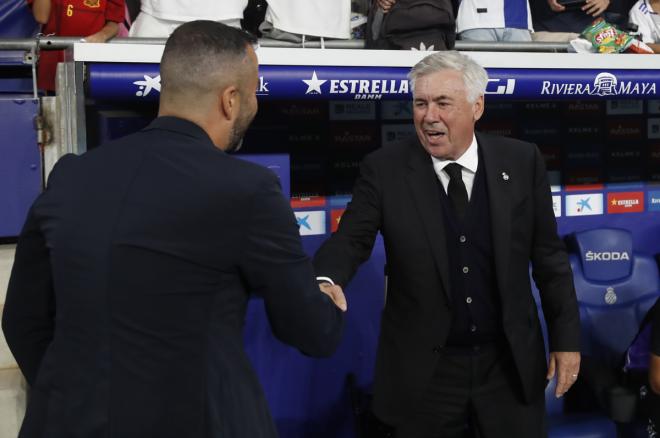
[434, 134]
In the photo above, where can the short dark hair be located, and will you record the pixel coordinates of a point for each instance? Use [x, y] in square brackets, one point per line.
[199, 53]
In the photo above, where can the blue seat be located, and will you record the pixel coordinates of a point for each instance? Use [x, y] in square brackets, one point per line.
[562, 425]
[615, 288]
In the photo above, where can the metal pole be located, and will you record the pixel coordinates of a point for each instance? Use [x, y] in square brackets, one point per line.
[55, 43]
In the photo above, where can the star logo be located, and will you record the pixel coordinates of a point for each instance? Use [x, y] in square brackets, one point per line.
[423, 48]
[584, 204]
[303, 222]
[145, 87]
[314, 84]
[613, 201]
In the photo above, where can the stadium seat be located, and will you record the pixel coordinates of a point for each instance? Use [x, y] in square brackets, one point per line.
[615, 288]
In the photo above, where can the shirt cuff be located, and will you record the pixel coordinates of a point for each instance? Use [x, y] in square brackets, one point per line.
[328, 279]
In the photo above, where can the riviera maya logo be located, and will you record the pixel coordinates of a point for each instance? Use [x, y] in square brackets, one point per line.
[360, 89]
[604, 84]
[147, 85]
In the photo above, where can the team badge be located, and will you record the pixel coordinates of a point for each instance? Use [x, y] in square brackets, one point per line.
[92, 3]
[610, 296]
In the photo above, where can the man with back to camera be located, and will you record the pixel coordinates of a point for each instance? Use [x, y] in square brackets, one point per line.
[128, 293]
[462, 216]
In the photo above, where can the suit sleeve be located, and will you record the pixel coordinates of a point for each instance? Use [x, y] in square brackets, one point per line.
[551, 269]
[28, 320]
[342, 254]
[275, 266]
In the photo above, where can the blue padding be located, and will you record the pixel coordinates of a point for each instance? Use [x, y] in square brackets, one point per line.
[308, 397]
[20, 161]
[141, 82]
[605, 254]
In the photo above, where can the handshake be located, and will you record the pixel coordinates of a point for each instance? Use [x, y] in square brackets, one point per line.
[335, 293]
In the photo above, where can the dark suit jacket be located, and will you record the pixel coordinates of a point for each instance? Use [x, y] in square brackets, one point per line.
[398, 194]
[128, 294]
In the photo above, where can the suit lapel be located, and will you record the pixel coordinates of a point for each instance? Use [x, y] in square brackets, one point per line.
[498, 182]
[423, 185]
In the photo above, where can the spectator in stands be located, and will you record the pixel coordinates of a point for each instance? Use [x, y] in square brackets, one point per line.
[557, 23]
[411, 25]
[645, 14]
[159, 18]
[132, 274]
[501, 20]
[293, 20]
[95, 20]
[462, 215]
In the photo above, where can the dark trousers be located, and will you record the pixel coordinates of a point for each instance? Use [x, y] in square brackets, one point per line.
[475, 392]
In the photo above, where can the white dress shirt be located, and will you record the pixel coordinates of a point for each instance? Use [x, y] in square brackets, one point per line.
[469, 161]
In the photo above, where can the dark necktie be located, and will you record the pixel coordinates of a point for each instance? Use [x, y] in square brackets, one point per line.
[456, 189]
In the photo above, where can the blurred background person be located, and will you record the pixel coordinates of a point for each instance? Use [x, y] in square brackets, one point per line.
[411, 25]
[159, 18]
[645, 16]
[95, 20]
[294, 20]
[495, 20]
[556, 22]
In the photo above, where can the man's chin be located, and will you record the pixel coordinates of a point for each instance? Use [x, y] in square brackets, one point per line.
[437, 150]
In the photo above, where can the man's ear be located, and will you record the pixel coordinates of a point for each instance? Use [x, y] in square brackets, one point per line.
[230, 103]
[478, 108]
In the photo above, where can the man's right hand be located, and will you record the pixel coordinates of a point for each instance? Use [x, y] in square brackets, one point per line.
[336, 293]
[386, 5]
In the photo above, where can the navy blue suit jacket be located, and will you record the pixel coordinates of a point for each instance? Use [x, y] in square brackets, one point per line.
[128, 295]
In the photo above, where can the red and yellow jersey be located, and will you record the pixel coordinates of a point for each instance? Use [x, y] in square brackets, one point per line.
[74, 18]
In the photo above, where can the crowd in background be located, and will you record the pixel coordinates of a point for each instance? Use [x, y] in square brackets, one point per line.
[476, 20]
[383, 24]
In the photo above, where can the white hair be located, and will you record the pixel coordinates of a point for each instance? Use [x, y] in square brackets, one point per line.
[475, 77]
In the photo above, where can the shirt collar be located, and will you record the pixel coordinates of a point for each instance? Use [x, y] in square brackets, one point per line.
[469, 159]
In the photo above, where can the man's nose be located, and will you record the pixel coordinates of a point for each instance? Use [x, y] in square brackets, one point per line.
[432, 114]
